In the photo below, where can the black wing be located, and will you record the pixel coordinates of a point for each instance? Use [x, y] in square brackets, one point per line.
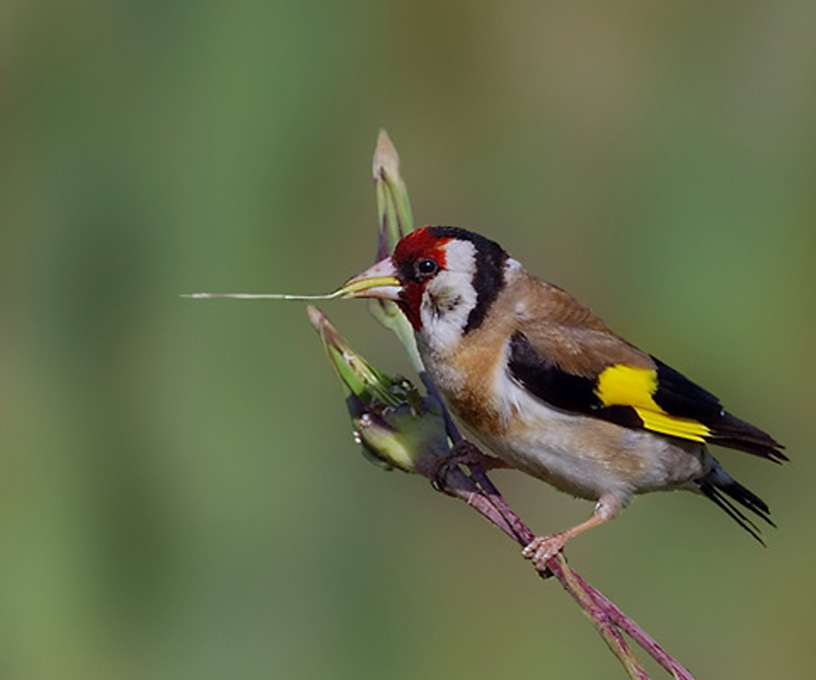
[669, 403]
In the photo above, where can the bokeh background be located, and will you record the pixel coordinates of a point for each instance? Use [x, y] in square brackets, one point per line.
[181, 495]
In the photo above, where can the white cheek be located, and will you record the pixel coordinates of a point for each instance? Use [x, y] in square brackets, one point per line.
[446, 305]
[449, 298]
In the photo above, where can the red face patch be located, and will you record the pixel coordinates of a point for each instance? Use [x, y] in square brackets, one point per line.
[419, 245]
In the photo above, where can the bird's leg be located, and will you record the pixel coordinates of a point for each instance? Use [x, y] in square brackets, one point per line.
[542, 548]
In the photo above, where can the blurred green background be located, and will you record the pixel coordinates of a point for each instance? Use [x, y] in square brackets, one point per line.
[181, 495]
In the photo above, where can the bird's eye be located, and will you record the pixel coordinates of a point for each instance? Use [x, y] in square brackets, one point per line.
[426, 267]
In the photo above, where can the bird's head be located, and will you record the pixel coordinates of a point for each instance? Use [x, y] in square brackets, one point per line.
[443, 278]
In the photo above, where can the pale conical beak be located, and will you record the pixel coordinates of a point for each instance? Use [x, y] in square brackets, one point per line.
[379, 281]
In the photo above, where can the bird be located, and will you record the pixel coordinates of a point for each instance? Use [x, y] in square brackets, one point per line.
[552, 391]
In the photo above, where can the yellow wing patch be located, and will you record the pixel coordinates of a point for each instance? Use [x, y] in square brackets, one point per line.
[621, 385]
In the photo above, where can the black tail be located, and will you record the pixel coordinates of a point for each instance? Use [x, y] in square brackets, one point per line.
[730, 431]
[719, 487]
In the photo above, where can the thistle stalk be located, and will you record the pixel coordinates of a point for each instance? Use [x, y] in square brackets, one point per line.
[400, 428]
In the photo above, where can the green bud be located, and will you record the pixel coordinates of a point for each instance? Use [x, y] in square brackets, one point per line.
[395, 220]
[393, 206]
[396, 426]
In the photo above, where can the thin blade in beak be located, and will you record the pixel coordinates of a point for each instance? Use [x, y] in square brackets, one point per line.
[379, 281]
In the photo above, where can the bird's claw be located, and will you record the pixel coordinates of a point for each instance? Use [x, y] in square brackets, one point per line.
[467, 453]
[542, 548]
[463, 453]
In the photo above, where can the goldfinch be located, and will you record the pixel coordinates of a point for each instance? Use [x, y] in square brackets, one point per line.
[551, 390]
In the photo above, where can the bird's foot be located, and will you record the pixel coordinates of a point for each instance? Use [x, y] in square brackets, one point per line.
[542, 548]
[464, 453]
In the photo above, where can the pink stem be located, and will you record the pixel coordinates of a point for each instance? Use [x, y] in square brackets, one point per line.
[479, 492]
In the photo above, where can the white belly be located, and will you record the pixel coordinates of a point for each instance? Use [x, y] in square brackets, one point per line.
[588, 457]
